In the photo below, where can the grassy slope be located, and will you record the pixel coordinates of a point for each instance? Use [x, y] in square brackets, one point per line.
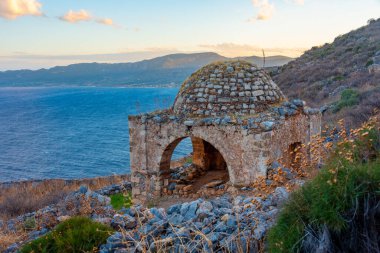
[321, 73]
[342, 199]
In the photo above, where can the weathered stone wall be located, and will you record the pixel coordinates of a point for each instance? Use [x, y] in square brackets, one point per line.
[296, 129]
[227, 88]
[246, 154]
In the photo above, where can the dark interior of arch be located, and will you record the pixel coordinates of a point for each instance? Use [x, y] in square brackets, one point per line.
[207, 156]
[203, 167]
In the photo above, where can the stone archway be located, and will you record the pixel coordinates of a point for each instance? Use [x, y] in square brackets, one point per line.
[208, 161]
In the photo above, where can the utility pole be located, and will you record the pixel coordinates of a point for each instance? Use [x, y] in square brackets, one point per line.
[263, 58]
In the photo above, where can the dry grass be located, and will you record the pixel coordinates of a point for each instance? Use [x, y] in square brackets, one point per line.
[6, 239]
[27, 196]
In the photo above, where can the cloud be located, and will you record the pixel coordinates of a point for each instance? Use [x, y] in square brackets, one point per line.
[83, 15]
[234, 50]
[265, 10]
[105, 21]
[12, 9]
[76, 16]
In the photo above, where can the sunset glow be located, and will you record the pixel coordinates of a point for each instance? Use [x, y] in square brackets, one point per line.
[45, 33]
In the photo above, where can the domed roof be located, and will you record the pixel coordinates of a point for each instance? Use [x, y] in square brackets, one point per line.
[230, 87]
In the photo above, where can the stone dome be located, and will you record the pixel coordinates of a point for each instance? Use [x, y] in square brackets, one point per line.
[230, 87]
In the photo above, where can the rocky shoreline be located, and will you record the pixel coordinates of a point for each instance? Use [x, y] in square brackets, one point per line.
[86, 181]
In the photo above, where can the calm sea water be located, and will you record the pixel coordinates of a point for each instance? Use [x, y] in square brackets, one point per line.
[72, 132]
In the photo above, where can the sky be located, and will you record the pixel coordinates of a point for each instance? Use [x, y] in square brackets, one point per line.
[44, 33]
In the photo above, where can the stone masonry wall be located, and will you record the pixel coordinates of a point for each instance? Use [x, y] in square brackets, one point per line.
[246, 154]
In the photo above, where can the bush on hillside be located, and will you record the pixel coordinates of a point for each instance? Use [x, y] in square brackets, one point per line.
[338, 211]
[120, 200]
[369, 63]
[348, 98]
[78, 234]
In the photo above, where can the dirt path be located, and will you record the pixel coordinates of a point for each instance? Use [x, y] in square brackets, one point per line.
[211, 175]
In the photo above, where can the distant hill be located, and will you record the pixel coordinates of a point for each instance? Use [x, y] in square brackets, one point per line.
[348, 67]
[161, 71]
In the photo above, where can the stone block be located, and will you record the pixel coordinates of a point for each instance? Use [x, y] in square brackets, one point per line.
[257, 93]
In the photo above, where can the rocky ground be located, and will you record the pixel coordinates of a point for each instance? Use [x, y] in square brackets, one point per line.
[214, 217]
[84, 202]
[217, 224]
[221, 224]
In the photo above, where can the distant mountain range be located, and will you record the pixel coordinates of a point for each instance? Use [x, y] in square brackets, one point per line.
[169, 70]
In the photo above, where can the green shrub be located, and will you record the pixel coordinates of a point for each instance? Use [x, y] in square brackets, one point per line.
[78, 234]
[120, 200]
[348, 98]
[189, 160]
[338, 78]
[369, 63]
[351, 174]
[349, 49]
[30, 223]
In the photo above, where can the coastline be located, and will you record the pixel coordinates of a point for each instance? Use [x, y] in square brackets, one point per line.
[19, 197]
[93, 86]
[2, 184]
[91, 181]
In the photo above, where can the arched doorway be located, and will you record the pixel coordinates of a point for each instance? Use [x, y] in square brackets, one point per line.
[295, 155]
[203, 170]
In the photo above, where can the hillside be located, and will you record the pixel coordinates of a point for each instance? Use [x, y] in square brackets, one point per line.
[321, 74]
[161, 71]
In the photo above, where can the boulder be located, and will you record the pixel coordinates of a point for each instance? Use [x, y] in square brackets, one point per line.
[191, 211]
[204, 210]
[174, 209]
[214, 184]
[176, 219]
[280, 195]
[123, 221]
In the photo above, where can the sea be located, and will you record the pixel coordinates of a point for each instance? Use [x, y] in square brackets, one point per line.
[72, 132]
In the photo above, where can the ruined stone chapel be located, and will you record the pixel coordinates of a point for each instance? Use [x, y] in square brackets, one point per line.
[237, 119]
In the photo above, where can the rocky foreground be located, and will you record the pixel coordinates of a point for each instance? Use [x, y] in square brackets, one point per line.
[220, 224]
[217, 225]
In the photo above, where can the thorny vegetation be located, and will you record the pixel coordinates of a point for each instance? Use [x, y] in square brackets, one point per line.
[338, 209]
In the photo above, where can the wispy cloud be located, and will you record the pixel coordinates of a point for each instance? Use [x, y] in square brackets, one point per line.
[105, 21]
[76, 16]
[12, 9]
[265, 10]
[83, 15]
[234, 50]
